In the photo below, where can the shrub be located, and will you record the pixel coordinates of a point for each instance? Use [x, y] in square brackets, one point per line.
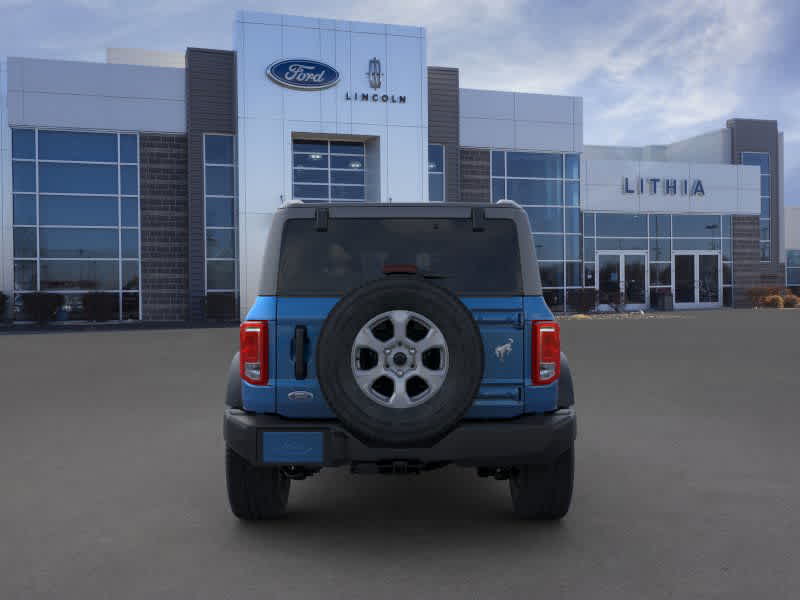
[100, 306]
[3, 306]
[41, 306]
[790, 300]
[773, 301]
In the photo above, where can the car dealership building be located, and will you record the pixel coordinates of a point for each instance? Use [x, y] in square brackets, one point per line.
[154, 176]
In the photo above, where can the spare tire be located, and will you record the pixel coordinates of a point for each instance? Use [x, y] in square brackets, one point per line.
[399, 361]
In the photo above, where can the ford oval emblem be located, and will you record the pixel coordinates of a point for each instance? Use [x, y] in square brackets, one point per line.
[303, 74]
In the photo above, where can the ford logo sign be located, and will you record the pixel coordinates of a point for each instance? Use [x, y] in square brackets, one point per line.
[303, 74]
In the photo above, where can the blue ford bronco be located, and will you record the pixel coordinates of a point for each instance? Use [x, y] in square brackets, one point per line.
[399, 339]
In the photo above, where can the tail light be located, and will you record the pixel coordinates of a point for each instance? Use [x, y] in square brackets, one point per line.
[253, 352]
[546, 350]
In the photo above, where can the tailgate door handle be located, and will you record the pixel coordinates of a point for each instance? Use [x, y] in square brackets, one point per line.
[300, 366]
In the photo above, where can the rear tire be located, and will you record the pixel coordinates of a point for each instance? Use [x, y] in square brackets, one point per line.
[255, 493]
[543, 492]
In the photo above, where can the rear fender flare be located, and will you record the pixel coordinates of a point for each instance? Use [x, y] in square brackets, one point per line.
[566, 393]
[233, 391]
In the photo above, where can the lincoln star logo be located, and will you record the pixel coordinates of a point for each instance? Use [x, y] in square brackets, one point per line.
[504, 350]
[374, 74]
[302, 74]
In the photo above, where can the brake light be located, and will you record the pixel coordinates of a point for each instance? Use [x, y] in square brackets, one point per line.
[253, 352]
[546, 351]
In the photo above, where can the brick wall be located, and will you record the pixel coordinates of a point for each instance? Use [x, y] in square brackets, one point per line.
[746, 267]
[165, 227]
[475, 185]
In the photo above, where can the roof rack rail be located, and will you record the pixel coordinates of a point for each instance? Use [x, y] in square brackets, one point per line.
[507, 202]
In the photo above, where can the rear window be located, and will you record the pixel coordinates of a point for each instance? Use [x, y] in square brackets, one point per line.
[354, 251]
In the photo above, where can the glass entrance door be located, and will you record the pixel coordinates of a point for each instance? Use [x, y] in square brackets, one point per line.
[622, 280]
[697, 279]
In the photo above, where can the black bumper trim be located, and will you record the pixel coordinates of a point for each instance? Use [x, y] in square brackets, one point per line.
[525, 440]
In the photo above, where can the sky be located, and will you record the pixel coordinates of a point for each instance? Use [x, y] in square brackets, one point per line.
[649, 72]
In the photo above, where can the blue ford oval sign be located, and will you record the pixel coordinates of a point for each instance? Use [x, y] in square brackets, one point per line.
[303, 74]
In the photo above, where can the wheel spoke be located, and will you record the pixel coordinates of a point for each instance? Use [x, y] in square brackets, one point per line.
[399, 320]
[367, 377]
[400, 397]
[433, 378]
[366, 339]
[433, 339]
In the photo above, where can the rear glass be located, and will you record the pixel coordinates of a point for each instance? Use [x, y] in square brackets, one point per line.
[354, 251]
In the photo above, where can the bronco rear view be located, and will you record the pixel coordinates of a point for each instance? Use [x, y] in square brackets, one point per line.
[399, 339]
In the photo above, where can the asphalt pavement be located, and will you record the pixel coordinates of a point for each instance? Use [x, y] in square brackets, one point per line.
[687, 482]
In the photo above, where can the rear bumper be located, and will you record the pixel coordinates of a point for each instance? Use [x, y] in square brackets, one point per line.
[524, 440]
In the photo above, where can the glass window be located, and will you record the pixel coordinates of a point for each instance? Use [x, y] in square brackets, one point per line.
[793, 277]
[623, 225]
[130, 306]
[727, 296]
[219, 212]
[573, 274]
[311, 161]
[765, 250]
[130, 275]
[793, 258]
[357, 249]
[498, 189]
[356, 148]
[23, 143]
[759, 159]
[572, 220]
[660, 274]
[219, 149]
[23, 176]
[79, 275]
[551, 273]
[696, 225]
[554, 299]
[588, 224]
[24, 209]
[347, 162]
[25, 275]
[530, 164]
[765, 185]
[77, 179]
[435, 158]
[357, 177]
[549, 247]
[588, 274]
[219, 181]
[573, 166]
[727, 273]
[572, 247]
[588, 249]
[660, 226]
[128, 148]
[221, 275]
[727, 249]
[130, 212]
[765, 207]
[695, 244]
[129, 176]
[220, 243]
[436, 187]
[572, 193]
[546, 219]
[621, 244]
[763, 229]
[78, 146]
[56, 242]
[529, 191]
[347, 192]
[312, 146]
[303, 191]
[660, 249]
[25, 242]
[311, 175]
[498, 164]
[727, 225]
[130, 243]
[77, 210]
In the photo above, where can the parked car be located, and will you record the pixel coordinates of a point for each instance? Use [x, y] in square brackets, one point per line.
[400, 339]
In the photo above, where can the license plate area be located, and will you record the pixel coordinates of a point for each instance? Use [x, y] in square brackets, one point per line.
[293, 447]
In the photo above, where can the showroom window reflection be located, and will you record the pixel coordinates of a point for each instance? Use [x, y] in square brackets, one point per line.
[761, 160]
[793, 269]
[547, 186]
[222, 281]
[76, 219]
